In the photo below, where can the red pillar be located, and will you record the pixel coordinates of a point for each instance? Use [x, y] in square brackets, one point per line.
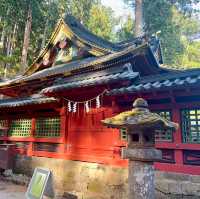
[31, 144]
[63, 129]
[177, 136]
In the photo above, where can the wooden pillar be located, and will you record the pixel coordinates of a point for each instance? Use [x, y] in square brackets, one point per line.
[63, 129]
[30, 149]
[115, 107]
[177, 136]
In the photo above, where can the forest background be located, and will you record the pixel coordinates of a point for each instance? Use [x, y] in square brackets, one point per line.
[26, 25]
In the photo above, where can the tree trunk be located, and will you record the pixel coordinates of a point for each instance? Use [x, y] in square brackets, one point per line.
[3, 33]
[45, 33]
[138, 18]
[9, 48]
[13, 41]
[26, 39]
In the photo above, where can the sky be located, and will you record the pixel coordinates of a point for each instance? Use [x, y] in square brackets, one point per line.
[118, 6]
[121, 9]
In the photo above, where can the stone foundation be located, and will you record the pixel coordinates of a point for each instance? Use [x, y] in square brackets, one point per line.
[82, 179]
[96, 181]
[178, 185]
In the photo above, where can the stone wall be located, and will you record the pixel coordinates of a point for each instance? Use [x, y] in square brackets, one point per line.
[95, 181]
[82, 179]
[178, 185]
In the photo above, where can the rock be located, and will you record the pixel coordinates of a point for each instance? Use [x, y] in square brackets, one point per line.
[8, 173]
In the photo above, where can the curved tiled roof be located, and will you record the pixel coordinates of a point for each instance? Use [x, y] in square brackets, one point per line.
[158, 82]
[88, 36]
[96, 45]
[97, 78]
[79, 30]
[17, 102]
[113, 59]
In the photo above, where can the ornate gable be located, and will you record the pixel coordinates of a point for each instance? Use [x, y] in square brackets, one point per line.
[64, 46]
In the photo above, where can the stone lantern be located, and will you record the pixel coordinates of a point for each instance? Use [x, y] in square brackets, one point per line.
[141, 125]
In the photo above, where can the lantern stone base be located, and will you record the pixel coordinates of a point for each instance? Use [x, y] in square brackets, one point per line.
[141, 171]
[141, 180]
[141, 154]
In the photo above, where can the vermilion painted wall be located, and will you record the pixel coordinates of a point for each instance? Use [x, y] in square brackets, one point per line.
[84, 138]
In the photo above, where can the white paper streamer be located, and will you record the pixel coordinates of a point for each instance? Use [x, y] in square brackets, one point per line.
[87, 107]
[69, 106]
[98, 102]
[74, 107]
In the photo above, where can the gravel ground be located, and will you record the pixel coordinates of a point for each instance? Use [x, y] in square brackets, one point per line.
[9, 190]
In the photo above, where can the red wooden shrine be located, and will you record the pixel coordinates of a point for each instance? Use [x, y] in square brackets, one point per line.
[55, 108]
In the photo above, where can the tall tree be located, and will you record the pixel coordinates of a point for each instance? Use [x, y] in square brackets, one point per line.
[126, 30]
[15, 26]
[101, 21]
[164, 16]
[139, 18]
[26, 38]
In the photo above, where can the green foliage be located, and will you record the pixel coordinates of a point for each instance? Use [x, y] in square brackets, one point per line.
[14, 13]
[191, 55]
[173, 19]
[45, 14]
[173, 24]
[101, 21]
[127, 29]
[161, 16]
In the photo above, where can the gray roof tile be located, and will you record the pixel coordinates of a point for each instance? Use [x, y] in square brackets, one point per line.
[91, 80]
[17, 102]
[156, 82]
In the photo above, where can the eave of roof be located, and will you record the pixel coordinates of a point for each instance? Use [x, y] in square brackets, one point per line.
[176, 79]
[18, 102]
[89, 80]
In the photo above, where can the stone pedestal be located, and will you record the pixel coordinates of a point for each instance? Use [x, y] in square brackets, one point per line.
[141, 172]
[141, 180]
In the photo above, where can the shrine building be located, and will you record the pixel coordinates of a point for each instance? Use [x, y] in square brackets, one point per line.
[54, 110]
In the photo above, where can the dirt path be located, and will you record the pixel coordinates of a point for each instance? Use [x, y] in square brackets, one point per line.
[11, 191]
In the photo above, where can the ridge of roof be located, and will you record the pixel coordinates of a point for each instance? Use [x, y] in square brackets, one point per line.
[89, 37]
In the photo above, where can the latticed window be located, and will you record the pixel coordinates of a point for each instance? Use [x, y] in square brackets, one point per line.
[190, 125]
[20, 127]
[123, 134]
[3, 127]
[164, 135]
[48, 127]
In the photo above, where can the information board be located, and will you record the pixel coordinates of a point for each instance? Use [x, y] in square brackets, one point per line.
[38, 183]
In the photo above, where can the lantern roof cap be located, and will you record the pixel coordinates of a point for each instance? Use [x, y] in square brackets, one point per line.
[140, 118]
[140, 103]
